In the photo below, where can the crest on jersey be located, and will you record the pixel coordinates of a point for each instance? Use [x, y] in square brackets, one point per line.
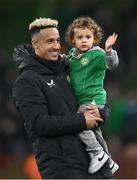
[84, 61]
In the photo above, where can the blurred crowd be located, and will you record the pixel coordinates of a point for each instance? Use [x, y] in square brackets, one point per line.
[118, 16]
[14, 143]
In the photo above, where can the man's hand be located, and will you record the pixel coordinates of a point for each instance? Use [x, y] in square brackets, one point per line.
[94, 110]
[110, 41]
[91, 121]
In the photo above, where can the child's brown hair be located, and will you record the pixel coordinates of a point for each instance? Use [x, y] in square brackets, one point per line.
[84, 22]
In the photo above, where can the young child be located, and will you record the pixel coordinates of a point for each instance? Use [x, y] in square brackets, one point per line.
[88, 64]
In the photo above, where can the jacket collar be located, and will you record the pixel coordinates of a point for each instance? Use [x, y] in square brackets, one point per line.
[25, 58]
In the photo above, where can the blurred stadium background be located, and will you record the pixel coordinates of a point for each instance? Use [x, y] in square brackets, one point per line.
[118, 16]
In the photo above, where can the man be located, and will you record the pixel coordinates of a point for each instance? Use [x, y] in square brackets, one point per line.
[46, 102]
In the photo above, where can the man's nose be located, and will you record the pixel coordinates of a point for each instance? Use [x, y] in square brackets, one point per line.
[56, 45]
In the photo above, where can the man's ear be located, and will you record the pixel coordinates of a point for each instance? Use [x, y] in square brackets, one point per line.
[34, 44]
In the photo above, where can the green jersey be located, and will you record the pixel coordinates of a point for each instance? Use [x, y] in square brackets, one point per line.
[87, 72]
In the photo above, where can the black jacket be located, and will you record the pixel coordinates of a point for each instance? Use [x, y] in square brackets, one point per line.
[46, 102]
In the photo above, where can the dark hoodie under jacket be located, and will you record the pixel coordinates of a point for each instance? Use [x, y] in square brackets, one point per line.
[44, 98]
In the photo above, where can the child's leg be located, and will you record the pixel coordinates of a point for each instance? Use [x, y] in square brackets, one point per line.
[113, 165]
[100, 139]
[94, 149]
[92, 145]
[96, 146]
[89, 138]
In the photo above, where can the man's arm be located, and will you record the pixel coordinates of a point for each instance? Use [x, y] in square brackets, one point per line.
[33, 107]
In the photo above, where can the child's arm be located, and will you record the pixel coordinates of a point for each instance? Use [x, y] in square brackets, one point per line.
[112, 59]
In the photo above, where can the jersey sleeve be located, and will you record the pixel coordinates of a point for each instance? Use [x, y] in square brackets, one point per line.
[112, 59]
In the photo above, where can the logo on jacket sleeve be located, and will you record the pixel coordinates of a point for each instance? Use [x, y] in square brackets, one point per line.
[51, 83]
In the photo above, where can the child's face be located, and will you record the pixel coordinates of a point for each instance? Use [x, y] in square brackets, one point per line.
[83, 39]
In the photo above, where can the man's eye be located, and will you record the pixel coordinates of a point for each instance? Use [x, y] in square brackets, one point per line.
[58, 40]
[50, 41]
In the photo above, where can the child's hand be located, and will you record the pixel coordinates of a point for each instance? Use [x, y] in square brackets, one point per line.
[110, 41]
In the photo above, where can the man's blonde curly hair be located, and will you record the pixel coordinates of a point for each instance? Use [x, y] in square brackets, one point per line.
[84, 22]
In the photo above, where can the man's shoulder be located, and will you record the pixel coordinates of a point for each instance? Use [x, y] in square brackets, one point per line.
[28, 76]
